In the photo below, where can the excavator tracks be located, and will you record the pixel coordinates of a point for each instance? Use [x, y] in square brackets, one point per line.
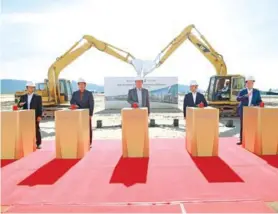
[226, 111]
[49, 112]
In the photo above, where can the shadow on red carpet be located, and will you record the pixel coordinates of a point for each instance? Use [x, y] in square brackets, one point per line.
[6, 162]
[215, 170]
[130, 171]
[270, 159]
[49, 173]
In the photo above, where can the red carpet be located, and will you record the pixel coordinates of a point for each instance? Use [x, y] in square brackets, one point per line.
[5, 162]
[169, 181]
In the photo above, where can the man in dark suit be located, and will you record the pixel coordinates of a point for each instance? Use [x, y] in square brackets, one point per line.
[193, 98]
[84, 99]
[33, 101]
[139, 96]
[247, 97]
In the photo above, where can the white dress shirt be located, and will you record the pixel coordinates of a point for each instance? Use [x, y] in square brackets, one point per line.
[30, 96]
[250, 97]
[194, 95]
[139, 95]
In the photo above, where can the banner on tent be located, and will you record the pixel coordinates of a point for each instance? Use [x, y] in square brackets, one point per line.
[163, 91]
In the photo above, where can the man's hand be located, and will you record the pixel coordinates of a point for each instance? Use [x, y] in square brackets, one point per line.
[135, 105]
[90, 117]
[73, 106]
[201, 105]
[22, 104]
[262, 104]
[39, 119]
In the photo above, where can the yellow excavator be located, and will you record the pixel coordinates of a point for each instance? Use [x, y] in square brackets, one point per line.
[223, 88]
[56, 93]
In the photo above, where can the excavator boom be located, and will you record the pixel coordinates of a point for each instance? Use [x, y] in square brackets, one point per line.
[201, 44]
[225, 101]
[73, 53]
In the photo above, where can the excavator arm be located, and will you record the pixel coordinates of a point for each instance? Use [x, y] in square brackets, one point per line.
[201, 44]
[72, 54]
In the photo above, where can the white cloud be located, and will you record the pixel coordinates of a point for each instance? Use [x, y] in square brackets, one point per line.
[142, 28]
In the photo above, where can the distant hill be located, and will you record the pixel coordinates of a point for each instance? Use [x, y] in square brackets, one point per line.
[90, 87]
[10, 86]
[272, 92]
[185, 89]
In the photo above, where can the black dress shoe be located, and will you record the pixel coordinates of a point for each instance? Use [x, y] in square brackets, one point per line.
[239, 143]
[39, 147]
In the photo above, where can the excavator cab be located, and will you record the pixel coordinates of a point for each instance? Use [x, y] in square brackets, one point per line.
[43, 91]
[222, 93]
[65, 90]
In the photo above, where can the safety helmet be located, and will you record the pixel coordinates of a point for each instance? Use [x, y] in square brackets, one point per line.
[81, 80]
[30, 84]
[250, 78]
[193, 82]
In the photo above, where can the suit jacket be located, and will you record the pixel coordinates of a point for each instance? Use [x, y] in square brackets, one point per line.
[87, 101]
[132, 98]
[36, 103]
[243, 98]
[189, 102]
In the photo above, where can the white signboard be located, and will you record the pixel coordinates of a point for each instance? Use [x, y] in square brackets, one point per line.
[163, 91]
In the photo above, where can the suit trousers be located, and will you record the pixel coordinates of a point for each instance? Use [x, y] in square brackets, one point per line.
[241, 124]
[38, 134]
[91, 134]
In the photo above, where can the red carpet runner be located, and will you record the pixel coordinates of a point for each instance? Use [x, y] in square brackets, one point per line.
[169, 181]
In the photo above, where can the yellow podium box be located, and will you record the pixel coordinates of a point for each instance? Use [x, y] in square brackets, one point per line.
[202, 131]
[135, 132]
[260, 130]
[18, 134]
[72, 133]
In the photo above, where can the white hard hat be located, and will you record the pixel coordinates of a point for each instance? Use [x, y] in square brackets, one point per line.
[81, 80]
[30, 84]
[193, 82]
[138, 78]
[250, 78]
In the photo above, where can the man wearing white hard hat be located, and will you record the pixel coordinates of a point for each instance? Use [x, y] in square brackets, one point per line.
[84, 99]
[193, 98]
[33, 101]
[139, 96]
[248, 96]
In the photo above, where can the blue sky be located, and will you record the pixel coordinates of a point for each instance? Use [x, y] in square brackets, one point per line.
[35, 32]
